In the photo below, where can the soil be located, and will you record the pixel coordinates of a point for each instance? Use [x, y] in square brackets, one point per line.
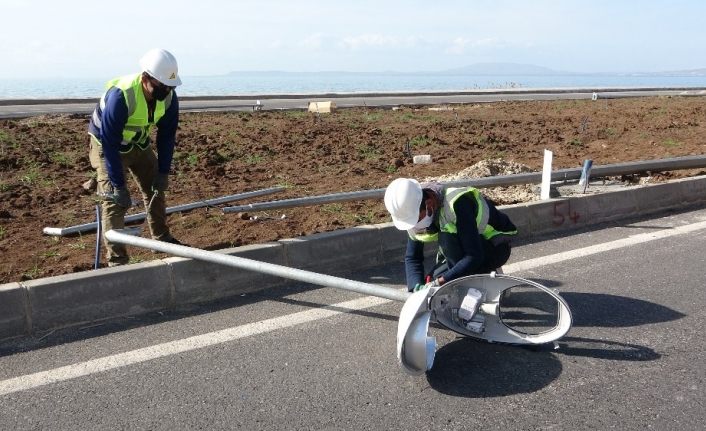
[44, 162]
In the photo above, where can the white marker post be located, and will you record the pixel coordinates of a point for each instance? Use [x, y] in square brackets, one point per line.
[546, 175]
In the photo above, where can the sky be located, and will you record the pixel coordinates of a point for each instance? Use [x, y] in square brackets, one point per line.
[96, 39]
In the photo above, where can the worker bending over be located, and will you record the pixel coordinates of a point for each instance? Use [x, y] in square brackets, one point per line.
[120, 140]
[472, 234]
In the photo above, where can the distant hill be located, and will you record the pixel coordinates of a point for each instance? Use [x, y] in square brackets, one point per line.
[504, 69]
[688, 72]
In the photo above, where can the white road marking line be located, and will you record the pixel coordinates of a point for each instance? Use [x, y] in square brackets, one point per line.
[600, 248]
[179, 346]
[119, 360]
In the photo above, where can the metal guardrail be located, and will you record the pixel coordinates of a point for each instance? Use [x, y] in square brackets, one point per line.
[660, 165]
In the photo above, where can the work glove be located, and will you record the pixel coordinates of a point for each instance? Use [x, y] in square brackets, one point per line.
[160, 183]
[121, 196]
[420, 286]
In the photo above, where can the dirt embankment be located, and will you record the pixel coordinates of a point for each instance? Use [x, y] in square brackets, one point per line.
[44, 161]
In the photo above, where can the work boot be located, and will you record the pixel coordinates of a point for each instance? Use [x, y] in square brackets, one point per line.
[117, 261]
[171, 240]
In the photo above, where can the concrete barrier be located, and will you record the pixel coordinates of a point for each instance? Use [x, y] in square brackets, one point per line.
[195, 281]
[13, 310]
[74, 299]
[325, 252]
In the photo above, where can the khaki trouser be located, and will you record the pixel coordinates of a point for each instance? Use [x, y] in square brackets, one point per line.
[142, 164]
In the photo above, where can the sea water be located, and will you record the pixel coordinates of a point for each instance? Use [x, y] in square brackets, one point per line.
[282, 83]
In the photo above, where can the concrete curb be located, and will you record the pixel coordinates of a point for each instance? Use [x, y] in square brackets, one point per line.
[68, 300]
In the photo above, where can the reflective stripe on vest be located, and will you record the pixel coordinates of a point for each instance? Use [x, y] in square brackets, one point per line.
[136, 132]
[447, 216]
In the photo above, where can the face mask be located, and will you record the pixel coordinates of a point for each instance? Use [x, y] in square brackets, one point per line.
[161, 93]
[425, 222]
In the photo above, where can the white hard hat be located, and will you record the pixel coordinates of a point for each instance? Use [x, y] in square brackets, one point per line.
[162, 66]
[403, 197]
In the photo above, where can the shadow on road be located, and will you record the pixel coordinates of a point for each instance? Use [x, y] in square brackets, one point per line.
[612, 311]
[473, 369]
[604, 349]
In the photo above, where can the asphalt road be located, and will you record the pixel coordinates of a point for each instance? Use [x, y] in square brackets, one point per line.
[321, 358]
[27, 108]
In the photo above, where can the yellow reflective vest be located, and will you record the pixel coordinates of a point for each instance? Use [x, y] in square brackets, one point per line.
[137, 129]
[447, 216]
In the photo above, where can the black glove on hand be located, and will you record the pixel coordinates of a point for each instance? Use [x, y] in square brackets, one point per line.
[160, 183]
[122, 198]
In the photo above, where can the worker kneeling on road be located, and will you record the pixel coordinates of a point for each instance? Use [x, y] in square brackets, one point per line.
[473, 235]
[120, 139]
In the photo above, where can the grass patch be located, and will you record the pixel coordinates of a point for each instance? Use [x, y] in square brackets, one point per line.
[671, 143]
[369, 152]
[62, 159]
[49, 254]
[407, 117]
[253, 159]
[296, 114]
[283, 182]
[367, 218]
[576, 142]
[332, 208]
[419, 140]
[2, 232]
[31, 177]
[79, 245]
[7, 140]
[32, 273]
[192, 159]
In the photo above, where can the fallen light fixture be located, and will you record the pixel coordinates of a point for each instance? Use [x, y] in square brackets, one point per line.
[492, 307]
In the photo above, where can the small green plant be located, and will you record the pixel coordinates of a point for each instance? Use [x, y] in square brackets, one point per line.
[391, 169]
[407, 116]
[4, 187]
[419, 140]
[50, 253]
[576, 142]
[215, 218]
[62, 159]
[284, 182]
[296, 114]
[31, 176]
[2, 232]
[192, 159]
[135, 259]
[369, 152]
[32, 273]
[79, 245]
[671, 143]
[253, 159]
[332, 208]
[367, 218]
[373, 117]
[5, 137]
[6, 140]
